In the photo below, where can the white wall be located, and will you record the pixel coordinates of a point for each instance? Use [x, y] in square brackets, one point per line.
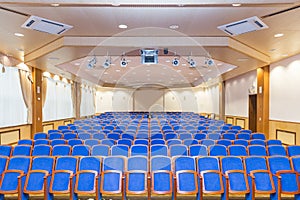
[149, 100]
[285, 90]
[237, 94]
[110, 99]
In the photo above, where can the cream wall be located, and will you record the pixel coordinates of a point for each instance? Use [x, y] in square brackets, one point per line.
[237, 94]
[149, 100]
[284, 100]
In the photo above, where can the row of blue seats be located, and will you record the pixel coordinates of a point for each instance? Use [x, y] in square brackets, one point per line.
[116, 136]
[144, 150]
[163, 177]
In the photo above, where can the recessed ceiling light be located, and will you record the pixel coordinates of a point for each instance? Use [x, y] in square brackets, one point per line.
[117, 70]
[148, 75]
[174, 26]
[278, 35]
[285, 55]
[242, 59]
[165, 68]
[55, 4]
[183, 64]
[219, 64]
[202, 75]
[77, 64]
[123, 26]
[105, 73]
[178, 71]
[191, 73]
[236, 4]
[167, 61]
[195, 79]
[19, 34]
[115, 4]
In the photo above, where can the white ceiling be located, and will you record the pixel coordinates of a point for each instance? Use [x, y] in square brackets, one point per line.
[100, 19]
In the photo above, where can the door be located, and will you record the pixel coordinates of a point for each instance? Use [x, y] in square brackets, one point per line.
[252, 112]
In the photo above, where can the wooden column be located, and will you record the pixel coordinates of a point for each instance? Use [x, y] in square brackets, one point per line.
[263, 100]
[222, 100]
[37, 111]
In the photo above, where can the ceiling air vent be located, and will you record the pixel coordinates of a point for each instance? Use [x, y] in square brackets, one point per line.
[45, 25]
[243, 26]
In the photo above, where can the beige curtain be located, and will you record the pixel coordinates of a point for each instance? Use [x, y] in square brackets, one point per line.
[26, 92]
[95, 98]
[44, 90]
[78, 102]
[73, 96]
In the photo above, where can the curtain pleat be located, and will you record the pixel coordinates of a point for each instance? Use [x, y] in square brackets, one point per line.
[26, 92]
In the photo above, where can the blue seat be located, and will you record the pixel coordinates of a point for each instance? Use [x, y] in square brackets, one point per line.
[274, 142]
[189, 142]
[81, 150]
[57, 142]
[178, 150]
[211, 178]
[246, 131]
[109, 142]
[38, 177]
[207, 142]
[217, 150]
[158, 150]
[184, 136]
[157, 141]
[61, 150]
[120, 150]
[237, 150]
[13, 178]
[68, 136]
[113, 169]
[73, 142]
[161, 177]
[5, 150]
[285, 179]
[169, 136]
[129, 136]
[63, 179]
[136, 177]
[25, 142]
[236, 177]
[55, 135]
[198, 150]
[186, 177]
[100, 150]
[257, 142]
[199, 136]
[84, 136]
[40, 135]
[229, 136]
[174, 142]
[62, 127]
[276, 150]
[22, 150]
[99, 136]
[156, 136]
[257, 150]
[259, 177]
[259, 136]
[42, 150]
[3, 163]
[236, 128]
[139, 150]
[91, 142]
[114, 136]
[224, 142]
[241, 142]
[213, 136]
[53, 131]
[41, 141]
[141, 141]
[142, 136]
[126, 142]
[244, 136]
[88, 177]
[293, 150]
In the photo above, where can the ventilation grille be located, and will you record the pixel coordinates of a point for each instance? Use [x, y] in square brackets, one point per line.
[45, 25]
[243, 26]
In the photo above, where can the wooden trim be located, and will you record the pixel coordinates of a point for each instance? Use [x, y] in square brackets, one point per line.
[297, 123]
[49, 124]
[16, 126]
[4, 132]
[240, 119]
[232, 118]
[66, 122]
[58, 120]
[289, 132]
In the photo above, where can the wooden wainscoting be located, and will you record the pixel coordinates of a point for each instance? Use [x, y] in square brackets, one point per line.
[237, 120]
[49, 125]
[286, 131]
[240, 122]
[11, 135]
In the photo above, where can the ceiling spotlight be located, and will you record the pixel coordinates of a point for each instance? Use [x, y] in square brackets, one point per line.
[92, 63]
[209, 62]
[106, 64]
[123, 62]
[175, 62]
[191, 62]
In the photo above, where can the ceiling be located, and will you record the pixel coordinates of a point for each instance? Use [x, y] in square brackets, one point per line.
[95, 34]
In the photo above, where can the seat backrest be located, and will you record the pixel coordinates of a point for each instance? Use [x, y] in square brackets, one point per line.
[19, 163]
[274, 142]
[208, 163]
[276, 150]
[229, 136]
[160, 163]
[91, 142]
[3, 163]
[90, 163]
[293, 150]
[73, 142]
[199, 136]
[114, 163]
[277, 163]
[184, 136]
[114, 136]
[207, 142]
[61, 150]
[40, 135]
[119, 150]
[217, 150]
[41, 141]
[178, 150]
[244, 136]
[189, 142]
[231, 163]
[159, 150]
[169, 136]
[255, 163]
[259, 136]
[109, 142]
[43, 163]
[224, 142]
[41, 150]
[55, 135]
[22, 150]
[198, 150]
[157, 141]
[81, 150]
[237, 150]
[99, 136]
[241, 142]
[139, 149]
[257, 142]
[137, 163]
[57, 142]
[66, 163]
[84, 136]
[141, 141]
[25, 142]
[5, 150]
[214, 136]
[174, 142]
[183, 163]
[100, 150]
[257, 150]
[127, 142]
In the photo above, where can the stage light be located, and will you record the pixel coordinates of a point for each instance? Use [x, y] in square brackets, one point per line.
[123, 62]
[92, 63]
[175, 62]
[106, 64]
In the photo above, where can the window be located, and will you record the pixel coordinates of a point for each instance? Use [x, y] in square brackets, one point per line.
[58, 104]
[13, 110]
